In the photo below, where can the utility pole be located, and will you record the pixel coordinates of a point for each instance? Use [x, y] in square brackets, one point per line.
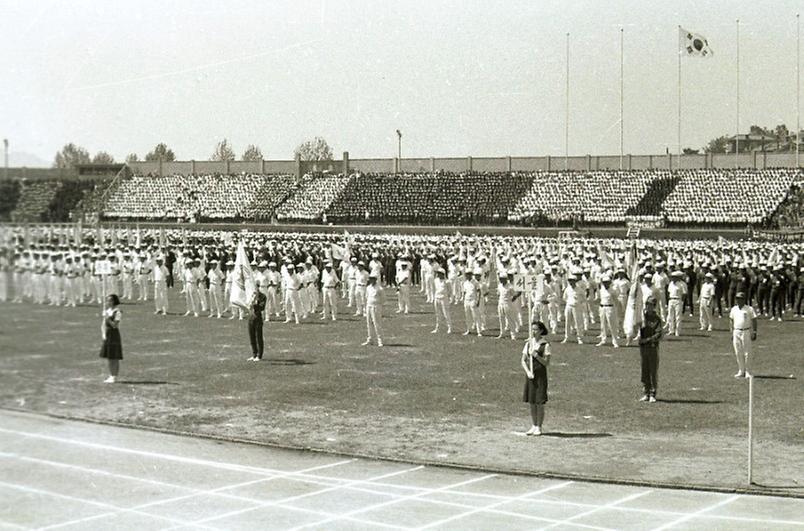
[399, 150]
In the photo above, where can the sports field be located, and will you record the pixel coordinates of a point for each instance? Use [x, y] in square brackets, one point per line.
[423, 398]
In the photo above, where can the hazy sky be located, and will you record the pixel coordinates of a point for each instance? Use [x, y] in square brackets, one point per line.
[458, 78]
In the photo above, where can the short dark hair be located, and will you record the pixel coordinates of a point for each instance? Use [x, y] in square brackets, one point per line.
[115, 299]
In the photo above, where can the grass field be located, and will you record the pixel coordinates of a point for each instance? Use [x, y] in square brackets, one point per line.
[423, 397]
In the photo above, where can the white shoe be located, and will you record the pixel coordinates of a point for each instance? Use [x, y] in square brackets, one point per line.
[466, 333]
[740, 374]
[701, 329]
[434, 331]
[531, 431]
[644, 398]
[615, 345]
[366, 342]
[709, 329]
[499, 336]
[602, 343]
[579, 341]
[564, 340]
[110, 379]
[186, 313]
[748, 374]
[536, 431]
[196, 314]
[449, 330]
[252, 358]
[379, 343]
[652, 399]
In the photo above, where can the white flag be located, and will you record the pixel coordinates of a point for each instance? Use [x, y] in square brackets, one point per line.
[242, 279]
[693, 44]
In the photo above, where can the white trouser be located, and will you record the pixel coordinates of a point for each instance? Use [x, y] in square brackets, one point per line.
[403, 298]
[160, 295]
[705, 310]
[471, 315]
[373, 319]
[571, 312]
[741, 339]
[329, 303]
[442, 308]
[608, 323]
[674, 316]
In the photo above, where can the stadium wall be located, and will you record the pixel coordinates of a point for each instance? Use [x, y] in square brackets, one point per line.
[756, 159]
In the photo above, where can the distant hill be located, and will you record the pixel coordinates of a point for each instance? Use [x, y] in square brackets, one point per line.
[18, 159]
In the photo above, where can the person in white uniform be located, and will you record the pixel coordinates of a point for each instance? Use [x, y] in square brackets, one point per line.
[705, 300]
[329, 292]
[744, 332]
[373, 310]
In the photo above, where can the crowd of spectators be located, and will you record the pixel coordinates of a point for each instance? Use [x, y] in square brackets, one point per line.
[314, 195]
[34, 199]
[199, 197]
[597, 196]
[790, 214]
[770, 197]
[705, 196]
[429, 198]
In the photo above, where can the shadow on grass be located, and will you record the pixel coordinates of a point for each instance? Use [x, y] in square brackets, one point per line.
[773, 377]
[146, 382]
[687, 401]
[568, 435]
[287, 361]
[397, 345]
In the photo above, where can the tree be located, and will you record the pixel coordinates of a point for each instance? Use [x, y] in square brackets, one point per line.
[781, 133]
[252, 153]
[70, 155]
[717, 145]
[101, 157]
[161, 151]
[315, 149]
[690, 151]
[132, 157]
[223, 151]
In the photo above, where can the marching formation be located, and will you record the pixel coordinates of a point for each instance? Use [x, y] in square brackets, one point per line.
[576, 287]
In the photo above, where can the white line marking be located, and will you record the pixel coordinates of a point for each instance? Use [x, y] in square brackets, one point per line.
[146, 453]
[600, 508]
[690, 516]
[200, 492]
[284, 501]
[42, 492]
[497, 504]
[397, 500]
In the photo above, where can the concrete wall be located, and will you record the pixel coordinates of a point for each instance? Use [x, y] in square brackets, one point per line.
[454, 164]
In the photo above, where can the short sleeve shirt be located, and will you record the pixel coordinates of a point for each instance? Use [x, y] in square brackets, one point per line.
[742, 317]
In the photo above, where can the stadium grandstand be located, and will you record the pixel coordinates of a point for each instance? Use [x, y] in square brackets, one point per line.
[722, 197]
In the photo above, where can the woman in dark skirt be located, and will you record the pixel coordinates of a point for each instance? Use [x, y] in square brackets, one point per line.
[535, 359]
[112, 347]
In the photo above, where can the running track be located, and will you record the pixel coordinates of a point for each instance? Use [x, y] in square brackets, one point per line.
[57, 474]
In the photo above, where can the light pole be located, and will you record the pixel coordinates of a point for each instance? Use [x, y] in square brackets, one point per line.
[399, 151]
[5, 153]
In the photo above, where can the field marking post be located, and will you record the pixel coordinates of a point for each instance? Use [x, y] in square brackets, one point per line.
[750, 429]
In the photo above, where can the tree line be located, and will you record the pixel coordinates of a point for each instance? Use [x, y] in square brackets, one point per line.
[71, 154]
[778, 138]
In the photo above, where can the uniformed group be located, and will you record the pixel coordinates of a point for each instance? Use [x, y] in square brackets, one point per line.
[569, 285]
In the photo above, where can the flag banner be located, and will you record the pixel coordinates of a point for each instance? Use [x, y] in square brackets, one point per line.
[693, 44]
[138, 241]
[338, 252]
[242, 279]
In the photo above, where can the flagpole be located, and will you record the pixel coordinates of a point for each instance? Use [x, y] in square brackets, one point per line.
[737, 136]
[798, 88]
[621, 98]
[678, 132]
[566, 119]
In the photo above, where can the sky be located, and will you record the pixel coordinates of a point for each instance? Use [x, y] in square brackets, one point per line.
[458, 78]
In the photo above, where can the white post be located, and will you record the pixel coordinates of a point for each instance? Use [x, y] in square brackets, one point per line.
[566, 118]
[678, 132]
[737, 137]
[750, 429]
[621, 97]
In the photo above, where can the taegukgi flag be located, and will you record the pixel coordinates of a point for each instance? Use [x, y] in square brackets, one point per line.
[693, 44]
[242, 279]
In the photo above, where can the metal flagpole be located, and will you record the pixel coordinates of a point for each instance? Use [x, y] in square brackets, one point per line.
[737, 136]
[750, 429]
[621, 98]
[798, 88]
[678, 132]
[566, 124]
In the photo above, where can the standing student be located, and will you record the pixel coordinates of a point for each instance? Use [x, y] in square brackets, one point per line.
[441, 302]
[112, 346]
[705, 297]
[373, 309]
[256, 307]
[744, 331]
[329, 290]
[650, 333]
[160, 274]
[535, 359]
